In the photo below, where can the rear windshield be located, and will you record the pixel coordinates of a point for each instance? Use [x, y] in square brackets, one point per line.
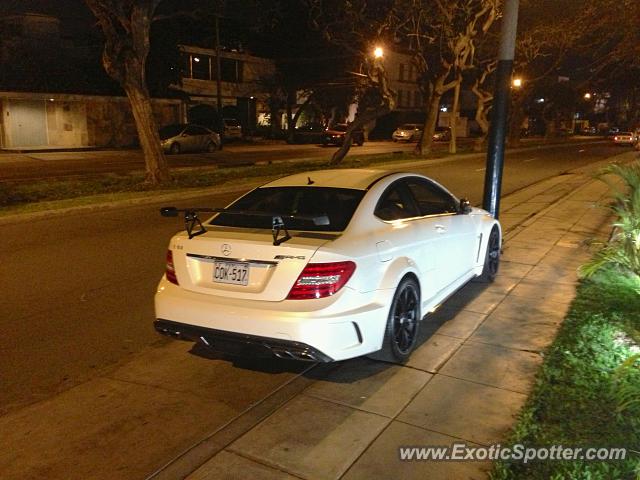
[408, 126]
[170, 131]
[336, 203]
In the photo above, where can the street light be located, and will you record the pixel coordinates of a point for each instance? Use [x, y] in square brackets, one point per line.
[587, 96]
[378, 52]
[517, 82]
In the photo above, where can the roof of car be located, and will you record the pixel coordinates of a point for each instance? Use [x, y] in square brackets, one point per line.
[356, 178]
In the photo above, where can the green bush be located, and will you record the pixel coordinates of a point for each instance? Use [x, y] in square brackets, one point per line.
[623, 251]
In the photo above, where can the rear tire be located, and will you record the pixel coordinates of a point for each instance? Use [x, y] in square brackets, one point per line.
[211, 147]
[491, 258]
[403, 320]
[175, 148]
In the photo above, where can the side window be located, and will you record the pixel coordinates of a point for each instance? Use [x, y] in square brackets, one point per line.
[395, 204]
[191, 130]
[431, 199]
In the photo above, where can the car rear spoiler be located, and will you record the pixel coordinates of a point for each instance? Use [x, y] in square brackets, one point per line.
[194, 226]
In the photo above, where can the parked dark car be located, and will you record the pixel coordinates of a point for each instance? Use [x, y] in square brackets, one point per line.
[442, 134]
[310, 133]
[335, 135]
[186, 137]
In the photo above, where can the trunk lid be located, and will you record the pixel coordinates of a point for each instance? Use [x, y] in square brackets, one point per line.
[244, 263]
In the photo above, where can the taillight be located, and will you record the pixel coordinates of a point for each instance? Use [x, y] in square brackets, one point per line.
[170, 270]
[319, 280]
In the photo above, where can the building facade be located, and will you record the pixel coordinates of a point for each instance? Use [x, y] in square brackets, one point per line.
[244, 83]
[45, 120]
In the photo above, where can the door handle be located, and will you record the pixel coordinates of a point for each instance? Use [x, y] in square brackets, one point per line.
[440, 229]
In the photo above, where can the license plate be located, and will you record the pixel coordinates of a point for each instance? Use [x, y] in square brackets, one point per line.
[235, 273]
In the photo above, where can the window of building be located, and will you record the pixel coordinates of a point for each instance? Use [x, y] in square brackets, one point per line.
[200, 67]
[401, 72]
[231, 70]
[411, 73]
[417, 99]
[400, 99]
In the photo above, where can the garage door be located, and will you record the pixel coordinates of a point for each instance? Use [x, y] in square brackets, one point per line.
[28, 123]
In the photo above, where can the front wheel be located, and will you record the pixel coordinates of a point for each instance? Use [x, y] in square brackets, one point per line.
[401, 332]
[211, 147]
[491, 258]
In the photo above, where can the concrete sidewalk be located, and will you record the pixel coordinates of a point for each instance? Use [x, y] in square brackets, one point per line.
[465, 383]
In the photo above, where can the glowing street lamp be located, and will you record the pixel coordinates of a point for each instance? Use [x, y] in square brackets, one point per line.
[587, 96]
[517, 82]
[378, 52]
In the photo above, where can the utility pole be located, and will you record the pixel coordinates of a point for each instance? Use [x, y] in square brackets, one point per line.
[219, 93]
[501, 98]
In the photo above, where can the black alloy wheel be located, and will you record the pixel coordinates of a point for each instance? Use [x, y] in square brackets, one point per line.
[401, 332]
[492, 257]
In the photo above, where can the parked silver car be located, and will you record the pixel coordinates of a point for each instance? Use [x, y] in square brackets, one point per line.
[409, 132]
[188, 138]
[232, 129]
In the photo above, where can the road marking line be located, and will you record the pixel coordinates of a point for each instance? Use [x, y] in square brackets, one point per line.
[480, 169]
[530, 159]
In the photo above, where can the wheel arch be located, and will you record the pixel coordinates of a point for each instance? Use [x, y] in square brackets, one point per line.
[396, 272]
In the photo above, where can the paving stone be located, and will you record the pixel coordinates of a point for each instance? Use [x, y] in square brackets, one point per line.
[369, 385]
[524, 252]
[502, 284]
[495, 366]
[432, 354]
[463, 409]
[513, 269]
[533, 334]
[229, 466]
[381, 460]
[311, 438]
[547, 274]
[546, 236]
[475, 297]
[560, 293]
[524, 308]
[459, 324]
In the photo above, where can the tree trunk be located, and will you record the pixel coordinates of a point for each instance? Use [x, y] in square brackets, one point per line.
[424, 146]
[157, 170]
[359, 122]
[453, 119]
[483, 123]
[290, 125]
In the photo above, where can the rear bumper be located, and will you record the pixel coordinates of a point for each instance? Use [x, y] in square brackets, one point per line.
[347, 325]
[240, 343]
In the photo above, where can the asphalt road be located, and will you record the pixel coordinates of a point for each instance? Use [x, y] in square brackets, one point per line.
[77, 290]
[30, 166]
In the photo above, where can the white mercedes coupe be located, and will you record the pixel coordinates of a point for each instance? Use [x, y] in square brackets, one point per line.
[323, 266]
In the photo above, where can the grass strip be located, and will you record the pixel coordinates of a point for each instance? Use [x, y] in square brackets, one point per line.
[582, 391]
[96, 187]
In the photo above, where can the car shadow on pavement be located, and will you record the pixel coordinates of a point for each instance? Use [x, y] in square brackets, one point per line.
[258, 364]
[445, 321]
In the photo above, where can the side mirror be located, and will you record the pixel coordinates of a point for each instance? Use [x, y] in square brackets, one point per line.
[465, 206]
